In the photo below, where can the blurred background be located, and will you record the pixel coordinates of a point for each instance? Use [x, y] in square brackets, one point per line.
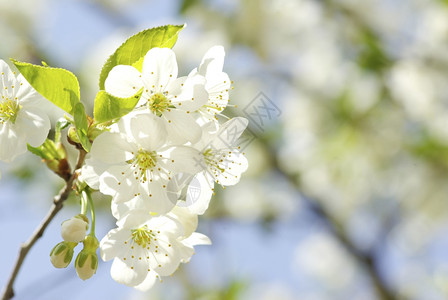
[346, 196]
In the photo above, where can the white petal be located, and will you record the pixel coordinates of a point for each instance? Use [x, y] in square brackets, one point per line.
[166, 260]
[128, 273]
[188, 220]
[112, 148]
[229, 133]
[11, 144]
[178, 182]
[148, 283]
[91, 171]
[123, 125]
[119, 181]
[175, 86]
[218, 87]
[186, 253]
[34, 124]
[27, 95]
[134, 219]
[121, 209]
[209, 132]
[159, 68]
[199, 193]
[212, 62]
[159, 202]
[197, 238]
[189, 94]
[112, 245]
[166, 225]
[182, 128]
[123, 81]
[184, 159]
[7, 77]
[148, 131]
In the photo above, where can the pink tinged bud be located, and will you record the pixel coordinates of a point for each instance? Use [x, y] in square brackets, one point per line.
[74, 229]
[62, 254]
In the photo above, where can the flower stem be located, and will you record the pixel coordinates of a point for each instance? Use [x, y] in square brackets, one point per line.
[84, 201]
[92, 210]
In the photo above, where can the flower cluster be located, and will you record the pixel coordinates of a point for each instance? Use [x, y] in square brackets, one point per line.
[152, 159]
[157, 143]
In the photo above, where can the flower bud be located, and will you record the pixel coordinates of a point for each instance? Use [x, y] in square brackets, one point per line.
[74, 229]
[87, 261]
[72, 136]
[62, 254]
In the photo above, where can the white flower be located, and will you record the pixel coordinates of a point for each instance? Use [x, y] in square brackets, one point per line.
[190, 239]
[188, 243]
[146, 247]
[21, 119]
[217, 82]
[138, 163]
[140, 244]
[74, 229]
[171, 98]
[221, 161]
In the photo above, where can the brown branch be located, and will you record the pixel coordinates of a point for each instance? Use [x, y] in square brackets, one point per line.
[58, 202]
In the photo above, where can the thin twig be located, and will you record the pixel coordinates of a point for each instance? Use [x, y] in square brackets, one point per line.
[58, 202]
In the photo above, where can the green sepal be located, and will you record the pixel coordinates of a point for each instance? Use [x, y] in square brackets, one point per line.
[58, 85]
[68, 256]
[132, 51]
[108, 108]
[81, 258]
[91, 243]
[82, 126]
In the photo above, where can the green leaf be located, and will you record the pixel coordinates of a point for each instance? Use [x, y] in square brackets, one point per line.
[132, 51]
[57, 85]
[82, 126]
[108, 107]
